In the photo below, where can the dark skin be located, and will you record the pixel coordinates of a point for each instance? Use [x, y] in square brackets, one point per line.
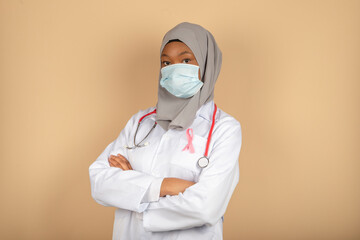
[173, 53]
[178, 52]
[169, 186]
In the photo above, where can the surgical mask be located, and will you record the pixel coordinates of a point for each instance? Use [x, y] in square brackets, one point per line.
[181, 79]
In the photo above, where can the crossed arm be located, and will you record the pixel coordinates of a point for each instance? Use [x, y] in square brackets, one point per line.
[169, 186]
[182, 204]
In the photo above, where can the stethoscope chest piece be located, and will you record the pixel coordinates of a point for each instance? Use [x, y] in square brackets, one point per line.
[203, 162]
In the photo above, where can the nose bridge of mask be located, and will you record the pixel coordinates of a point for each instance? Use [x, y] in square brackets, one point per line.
[183, 69]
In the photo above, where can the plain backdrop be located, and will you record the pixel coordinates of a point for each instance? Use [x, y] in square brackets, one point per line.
[73, 72]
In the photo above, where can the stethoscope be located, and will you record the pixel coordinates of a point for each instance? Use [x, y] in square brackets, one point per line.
[136, 145]
[202, 162]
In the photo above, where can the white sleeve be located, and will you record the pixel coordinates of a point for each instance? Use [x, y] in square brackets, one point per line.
[204, 202]
[153, 192]
[111, 186]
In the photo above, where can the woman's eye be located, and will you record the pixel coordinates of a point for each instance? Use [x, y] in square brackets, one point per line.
[186, 60]
[166, 63]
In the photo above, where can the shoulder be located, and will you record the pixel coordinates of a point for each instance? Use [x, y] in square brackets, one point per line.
[225, 120]
[142, 112]
[227, 128]
[227, 131]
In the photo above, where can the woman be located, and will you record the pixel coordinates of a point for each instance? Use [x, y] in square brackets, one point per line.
[172, 170]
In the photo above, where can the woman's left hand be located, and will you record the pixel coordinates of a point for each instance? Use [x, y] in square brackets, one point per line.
[119, 161]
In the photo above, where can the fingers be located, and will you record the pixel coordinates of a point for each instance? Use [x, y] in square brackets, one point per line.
[129, 166]
[114, 163]
[119, 161]
[125, 160]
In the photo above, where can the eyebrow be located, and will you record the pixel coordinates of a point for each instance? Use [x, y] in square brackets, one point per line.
[184, 52]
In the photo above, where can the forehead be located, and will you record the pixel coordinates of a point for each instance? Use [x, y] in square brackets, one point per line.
[176, 47]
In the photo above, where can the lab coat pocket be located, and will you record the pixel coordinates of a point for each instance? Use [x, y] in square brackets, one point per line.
[185, 162]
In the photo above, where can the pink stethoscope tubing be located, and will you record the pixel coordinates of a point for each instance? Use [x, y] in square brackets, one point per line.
[203, 161]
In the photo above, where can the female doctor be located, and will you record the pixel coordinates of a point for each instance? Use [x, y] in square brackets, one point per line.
[172, 170]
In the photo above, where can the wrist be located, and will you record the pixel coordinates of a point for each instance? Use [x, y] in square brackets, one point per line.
[164, 189]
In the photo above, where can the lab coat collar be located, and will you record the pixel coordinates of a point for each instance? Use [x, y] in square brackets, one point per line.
[206, 111]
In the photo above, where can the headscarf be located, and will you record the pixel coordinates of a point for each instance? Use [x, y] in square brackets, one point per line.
[179, 113]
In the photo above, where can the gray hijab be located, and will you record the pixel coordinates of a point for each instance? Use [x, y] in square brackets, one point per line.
[179, 113]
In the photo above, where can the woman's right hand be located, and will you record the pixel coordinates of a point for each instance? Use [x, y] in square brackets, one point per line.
[173, 186]
[169, 186]
[119, 161]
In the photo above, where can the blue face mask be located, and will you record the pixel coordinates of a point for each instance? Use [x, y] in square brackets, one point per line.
[181, 79]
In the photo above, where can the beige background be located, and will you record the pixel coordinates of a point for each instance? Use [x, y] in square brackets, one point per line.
[73, 72]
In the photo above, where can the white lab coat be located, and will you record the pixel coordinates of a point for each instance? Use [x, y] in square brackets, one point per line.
[194, 214]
